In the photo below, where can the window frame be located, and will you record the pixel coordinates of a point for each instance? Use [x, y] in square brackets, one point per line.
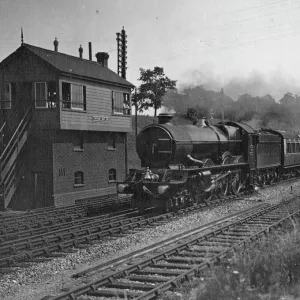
[46, 95]
[80, 175]
[70, 103]
[114, 174]
[124, 111]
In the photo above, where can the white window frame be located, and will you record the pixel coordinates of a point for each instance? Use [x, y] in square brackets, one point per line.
[4, 100]
[114, 99]
[121, 94]
[71, 91]
[83, 107]
[46, 102]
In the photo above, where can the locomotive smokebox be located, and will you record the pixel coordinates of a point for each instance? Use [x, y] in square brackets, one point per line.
[165, 118]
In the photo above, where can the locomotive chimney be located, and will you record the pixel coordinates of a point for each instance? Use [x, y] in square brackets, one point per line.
[201, 122]
[102, 58]
[164, 118]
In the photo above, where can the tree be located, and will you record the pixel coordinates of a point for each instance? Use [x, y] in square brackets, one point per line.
[155, 84]
[287, 99]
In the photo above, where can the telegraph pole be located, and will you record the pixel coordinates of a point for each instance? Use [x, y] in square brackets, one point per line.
[122, 53]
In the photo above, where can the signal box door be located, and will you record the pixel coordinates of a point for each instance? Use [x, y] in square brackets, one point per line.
[42, 190]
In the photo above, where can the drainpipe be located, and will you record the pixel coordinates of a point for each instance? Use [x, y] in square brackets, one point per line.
[126, 154]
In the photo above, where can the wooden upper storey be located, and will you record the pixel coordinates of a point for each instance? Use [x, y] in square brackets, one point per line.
[67, 92]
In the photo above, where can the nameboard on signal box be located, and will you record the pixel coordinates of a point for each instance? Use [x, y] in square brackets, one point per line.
[100, 119]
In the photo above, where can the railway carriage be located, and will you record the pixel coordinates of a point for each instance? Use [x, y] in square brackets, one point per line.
[290, 154]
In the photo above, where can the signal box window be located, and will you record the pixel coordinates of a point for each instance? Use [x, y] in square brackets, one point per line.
[120, 103]
[7, 97]
[112, 175]
[78, 179]
[73, 96]
[52, 94]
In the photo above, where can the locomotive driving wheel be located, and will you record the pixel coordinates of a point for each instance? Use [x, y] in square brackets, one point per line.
[236, 183]
[202, 197]
[206, 196]
[222, 187]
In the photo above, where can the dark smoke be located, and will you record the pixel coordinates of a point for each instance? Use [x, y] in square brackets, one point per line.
[260, 101]
[255, 83]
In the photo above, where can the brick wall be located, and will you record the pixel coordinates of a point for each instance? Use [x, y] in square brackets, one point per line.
[94, 161]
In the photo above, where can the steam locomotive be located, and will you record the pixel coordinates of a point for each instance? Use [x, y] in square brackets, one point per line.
[189, 164]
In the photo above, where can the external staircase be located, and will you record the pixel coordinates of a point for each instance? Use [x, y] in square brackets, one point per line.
[14, 133]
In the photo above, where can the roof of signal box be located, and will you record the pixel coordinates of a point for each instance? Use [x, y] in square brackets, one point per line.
[73, 65]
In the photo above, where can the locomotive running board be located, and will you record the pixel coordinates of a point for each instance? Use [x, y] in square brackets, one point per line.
[219, 167]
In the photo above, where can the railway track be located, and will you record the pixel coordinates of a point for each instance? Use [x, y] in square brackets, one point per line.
[147, 273]
[56, 215]
[21, 233]
[27, 245]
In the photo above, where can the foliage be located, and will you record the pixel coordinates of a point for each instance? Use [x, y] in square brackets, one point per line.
[267, 270]
[155, 84]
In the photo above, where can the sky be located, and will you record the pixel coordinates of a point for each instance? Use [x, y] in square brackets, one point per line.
[243, 46]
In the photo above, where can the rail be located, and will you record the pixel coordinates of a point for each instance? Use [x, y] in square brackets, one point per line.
[147, 274]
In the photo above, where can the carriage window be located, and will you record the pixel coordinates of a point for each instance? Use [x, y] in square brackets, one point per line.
[293, 147]
[290, 147]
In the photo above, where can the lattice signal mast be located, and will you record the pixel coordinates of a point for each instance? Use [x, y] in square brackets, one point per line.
[122, 53]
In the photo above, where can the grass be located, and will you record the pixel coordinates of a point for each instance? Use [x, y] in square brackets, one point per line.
[268, 269]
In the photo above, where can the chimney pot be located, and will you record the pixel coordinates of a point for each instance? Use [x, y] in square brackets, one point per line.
[102, 58]
[90, 51]
[80, 51]
[55, 43]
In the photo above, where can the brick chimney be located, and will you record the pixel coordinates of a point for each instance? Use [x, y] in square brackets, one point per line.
[80, 51]
[102, 58]
[55, 43]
